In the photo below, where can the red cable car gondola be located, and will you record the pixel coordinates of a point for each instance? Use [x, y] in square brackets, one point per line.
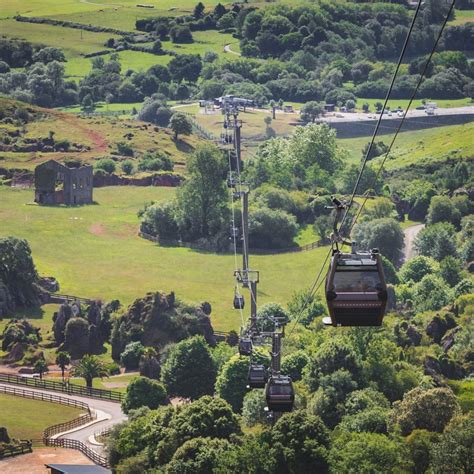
[356, 291]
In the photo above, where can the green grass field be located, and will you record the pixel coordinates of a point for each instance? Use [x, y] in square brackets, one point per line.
[26, 419]
[117, 383]
[464, 389]
[418, 147]
[94, 251]
[462, 16]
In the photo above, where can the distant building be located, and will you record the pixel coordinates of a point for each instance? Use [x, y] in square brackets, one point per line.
[288, 109]
[233, 101]
[329, 108]
[55, 183]
[77, 469]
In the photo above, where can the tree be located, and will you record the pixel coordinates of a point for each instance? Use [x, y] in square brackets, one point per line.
[127, 167]
[431, 294]
[188, 370]
[294, 364]
[76, 337]
[311, 111]
[181, 34]
[419, 444]
[142, 391]
[416, 268]
[437, 241]
[300, 443]
[41, 367]
[430, 409]
[450, 270]
[273, 106]
[87, 104]
[106, 164]
[253, 408]
[453, 451]
[156, 111]
[232, 381]
[149, 365]
[89, 368]
[180, 124]
[270, 313]
[62, 360]
[384, 234]
[371, 420]
[199, 456]
[442, 209]
[365, 452]
[185, 67]
[306, 306]
[202, 201]
[131, 355]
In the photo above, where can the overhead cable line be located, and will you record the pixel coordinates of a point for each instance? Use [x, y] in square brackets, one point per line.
[415, 91]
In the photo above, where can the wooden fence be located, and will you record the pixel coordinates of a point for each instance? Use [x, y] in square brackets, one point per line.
[95, 457]
[258, 251]
[69, 388]
[83, 419]
[58, 298]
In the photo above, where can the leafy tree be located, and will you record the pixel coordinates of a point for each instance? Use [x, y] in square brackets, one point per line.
[76, 337]
[89, 368]
[160, 220]
[368, 181]
[430, 409]
[87, 104]
[442, 209]
[294, 364]
[365, 399]
[149, 365]
[268, 314]
[131, 355]
[371, 420]
[437, 241]
[127, 167]
[232, 381]
[419, 444]
[185, 67]
[180, 124]
[416, 268]
[202, 200]
[41, 367]
[453, 452]
[253, 409]
[306, 307]
[198, 456]
[181, 34]
[311, 111]
[106, 164]
[431, 293]
[271, 228]
[300, 443]
[365, 452]
[156, 111]
[62, 361]
[142, 391]
[188, 370]
[384, 234]
[450, 270]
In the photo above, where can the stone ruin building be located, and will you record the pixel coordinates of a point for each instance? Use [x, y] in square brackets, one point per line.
[55, 183]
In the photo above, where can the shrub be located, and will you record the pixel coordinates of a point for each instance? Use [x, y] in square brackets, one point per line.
[131, 355]
[142, 391]
[124, 149]
[105, 164]
[127, 166]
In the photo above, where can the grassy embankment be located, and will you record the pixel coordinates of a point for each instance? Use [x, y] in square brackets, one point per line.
[26, 419]
[95, 252]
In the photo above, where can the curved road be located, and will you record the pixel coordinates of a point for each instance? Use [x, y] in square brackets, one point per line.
[82, 434]
[410, 234]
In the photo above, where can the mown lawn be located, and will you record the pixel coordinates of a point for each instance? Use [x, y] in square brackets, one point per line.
[94, 252]
[418, 147]
[26, 419]
[117, 383]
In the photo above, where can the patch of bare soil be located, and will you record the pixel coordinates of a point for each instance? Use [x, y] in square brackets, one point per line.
[97, 229]
[33, 463]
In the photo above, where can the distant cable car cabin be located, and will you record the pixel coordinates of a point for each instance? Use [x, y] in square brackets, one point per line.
[239, 301]
[257, 376]
[279, 393]
[245, 346]
[356, 291]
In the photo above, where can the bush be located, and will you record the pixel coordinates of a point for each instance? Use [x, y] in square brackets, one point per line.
[253, 410]
[232, 381]
[294, 364]
[124, 149]
[436, 241]
[131, 355]
[416, 268]
[442, 209]
[142, 391]
[157, 161]
[127, 167]
[270, 228]
[431, 294]
[105, 164]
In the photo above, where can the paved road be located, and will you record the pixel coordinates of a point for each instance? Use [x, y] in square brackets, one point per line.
[111, 408]
[410, 234]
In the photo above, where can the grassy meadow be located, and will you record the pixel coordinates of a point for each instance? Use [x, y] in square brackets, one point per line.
[26, 419]
[419, 147]
[94, 252]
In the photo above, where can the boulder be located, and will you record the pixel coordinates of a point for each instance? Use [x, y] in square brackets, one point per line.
[449, 338]
[438, 326]
[4, 438]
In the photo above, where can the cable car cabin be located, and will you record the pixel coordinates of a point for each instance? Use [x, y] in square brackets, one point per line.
[257, 376]
[356, 291]
[239, 302]
[279, 393]
[245, 346]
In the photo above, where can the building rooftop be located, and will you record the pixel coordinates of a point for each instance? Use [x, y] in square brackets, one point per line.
[79, 468]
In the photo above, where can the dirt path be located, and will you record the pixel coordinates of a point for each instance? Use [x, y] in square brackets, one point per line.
[228, 50]
[410, 234]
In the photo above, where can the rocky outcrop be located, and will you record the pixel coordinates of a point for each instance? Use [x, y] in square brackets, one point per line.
[449, 338]
[438, 326]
